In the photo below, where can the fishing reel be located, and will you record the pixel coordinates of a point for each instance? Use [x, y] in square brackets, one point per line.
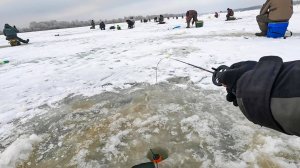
[218, 73]
[156, 156]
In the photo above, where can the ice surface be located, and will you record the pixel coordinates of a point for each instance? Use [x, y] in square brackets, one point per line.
[82, 92]
[18, 151]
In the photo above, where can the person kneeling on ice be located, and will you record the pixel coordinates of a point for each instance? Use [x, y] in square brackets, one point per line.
[130, 23]
[118, 27]
[191, 14]
[102, 25]
[11, 35]
[230, 15]
[274, 11]
[267, 92]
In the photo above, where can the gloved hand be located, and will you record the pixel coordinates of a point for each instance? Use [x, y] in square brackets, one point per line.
[230, 77]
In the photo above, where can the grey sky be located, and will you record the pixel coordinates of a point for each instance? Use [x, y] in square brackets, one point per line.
[21, 12]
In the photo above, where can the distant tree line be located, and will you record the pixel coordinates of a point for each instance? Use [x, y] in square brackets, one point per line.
[53, 24]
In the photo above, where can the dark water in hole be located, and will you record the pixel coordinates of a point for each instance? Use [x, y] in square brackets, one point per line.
[196, 126]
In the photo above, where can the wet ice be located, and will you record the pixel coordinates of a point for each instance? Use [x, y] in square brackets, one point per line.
[118, 129]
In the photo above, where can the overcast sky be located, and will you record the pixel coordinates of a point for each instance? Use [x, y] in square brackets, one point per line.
[22, 12]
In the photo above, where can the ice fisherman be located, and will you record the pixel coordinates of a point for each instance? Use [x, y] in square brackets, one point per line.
[102, 25]
[230, 14]
[11, 34]
[216, 15]
[161, 19]
[119, 27]
[130, 23]
[112, 27]
[267, 92]
[274, 11]
[191, 14]
[93, 24]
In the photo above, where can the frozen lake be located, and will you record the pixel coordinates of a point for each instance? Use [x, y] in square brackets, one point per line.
[89, 98]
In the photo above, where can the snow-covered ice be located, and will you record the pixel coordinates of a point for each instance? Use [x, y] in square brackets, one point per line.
[88, 98]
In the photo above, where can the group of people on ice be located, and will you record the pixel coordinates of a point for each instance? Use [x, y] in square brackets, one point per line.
[271, 11]
[101, 25]
[130, 22]
[267, 92]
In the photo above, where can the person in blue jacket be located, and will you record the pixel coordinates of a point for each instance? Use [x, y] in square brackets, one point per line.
[267, 92]
[11, 33]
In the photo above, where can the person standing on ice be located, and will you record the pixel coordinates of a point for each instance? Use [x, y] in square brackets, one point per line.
[267, 92]
[274, 11]
[93, 24]
[102, 25]
[130, 23]
[11, 34]
[191, 14]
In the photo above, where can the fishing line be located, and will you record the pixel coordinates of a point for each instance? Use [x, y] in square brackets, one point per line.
[153, 156]
[158, 64]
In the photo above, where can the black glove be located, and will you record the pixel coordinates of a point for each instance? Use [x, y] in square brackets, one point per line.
[230, 77]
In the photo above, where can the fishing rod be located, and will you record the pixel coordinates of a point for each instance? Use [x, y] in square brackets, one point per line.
[194, 66]
[216, 74]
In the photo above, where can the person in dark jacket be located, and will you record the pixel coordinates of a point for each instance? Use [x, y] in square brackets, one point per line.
[102, 25]
[93, 24]
[11, 34]
[161, 19]
[119, 27]
[191, 14]
[267, 92]
[216, 15]
[112, 27]
[274, 11]
[130, 23]
[230, 14]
